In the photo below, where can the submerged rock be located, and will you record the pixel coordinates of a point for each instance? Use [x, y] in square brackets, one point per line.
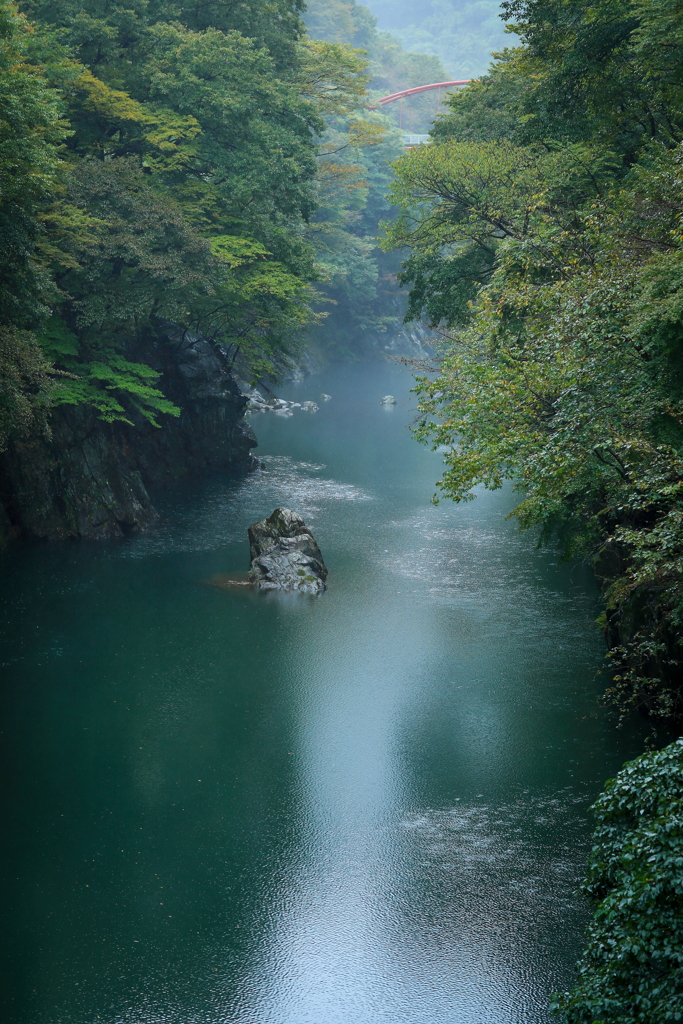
[309, 407]
[387, 400]
[325, 397]
[284, 554]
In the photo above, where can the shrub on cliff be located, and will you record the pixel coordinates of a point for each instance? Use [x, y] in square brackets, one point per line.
[632, 970]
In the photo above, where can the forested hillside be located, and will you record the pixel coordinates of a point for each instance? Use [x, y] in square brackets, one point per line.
[181, 188]
[361, 304]
[461, 33]
[159, 167]
[187, 169]
[391, 66]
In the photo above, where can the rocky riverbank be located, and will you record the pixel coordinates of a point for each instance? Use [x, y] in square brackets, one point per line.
[256, 402]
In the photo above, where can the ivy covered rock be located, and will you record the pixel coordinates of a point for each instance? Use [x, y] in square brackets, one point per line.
[285, 555]
[632, 970]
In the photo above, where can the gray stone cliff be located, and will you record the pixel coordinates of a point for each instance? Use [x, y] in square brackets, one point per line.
[90, 478]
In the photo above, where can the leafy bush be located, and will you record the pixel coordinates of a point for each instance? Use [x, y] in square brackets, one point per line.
[632, 970]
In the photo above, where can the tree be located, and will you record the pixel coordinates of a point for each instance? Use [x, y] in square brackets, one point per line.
[609, 70]
[184, 189]
[31, 131]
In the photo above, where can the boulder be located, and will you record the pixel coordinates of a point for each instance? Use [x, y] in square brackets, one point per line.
[387, 400]
[284, 554]
[256, 402]
[325, 397]
[309, 407]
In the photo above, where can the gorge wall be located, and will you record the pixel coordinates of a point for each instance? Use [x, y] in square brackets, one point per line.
[91, 478]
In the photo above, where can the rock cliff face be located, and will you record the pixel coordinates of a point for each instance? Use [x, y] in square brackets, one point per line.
[90, 478]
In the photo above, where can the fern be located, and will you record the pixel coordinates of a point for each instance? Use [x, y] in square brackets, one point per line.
[111, 385]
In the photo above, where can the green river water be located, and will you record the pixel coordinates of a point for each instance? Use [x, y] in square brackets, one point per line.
[371, 807]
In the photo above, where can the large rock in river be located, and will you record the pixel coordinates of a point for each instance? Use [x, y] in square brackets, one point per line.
[284, 554]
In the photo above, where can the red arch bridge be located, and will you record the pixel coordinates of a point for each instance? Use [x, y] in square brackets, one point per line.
[414, 140]
[418, 88]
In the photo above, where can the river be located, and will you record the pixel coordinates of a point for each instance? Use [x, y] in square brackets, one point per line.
[222, 807]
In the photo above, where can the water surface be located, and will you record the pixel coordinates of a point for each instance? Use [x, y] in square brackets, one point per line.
[371, 807]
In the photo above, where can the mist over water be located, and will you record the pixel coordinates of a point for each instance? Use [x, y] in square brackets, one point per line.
[223, 807]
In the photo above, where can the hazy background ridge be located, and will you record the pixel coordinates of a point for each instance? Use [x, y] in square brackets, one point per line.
[462, 33]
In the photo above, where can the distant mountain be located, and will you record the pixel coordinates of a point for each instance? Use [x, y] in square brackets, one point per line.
[463, 33]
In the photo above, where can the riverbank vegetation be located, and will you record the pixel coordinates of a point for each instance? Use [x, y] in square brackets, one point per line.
[544, 236]
[632, 972]
[214, 169]
[544, 229]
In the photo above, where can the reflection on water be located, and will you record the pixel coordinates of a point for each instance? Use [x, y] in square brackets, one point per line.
[365, 808]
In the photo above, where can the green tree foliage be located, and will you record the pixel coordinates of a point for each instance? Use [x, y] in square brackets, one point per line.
[544, 230]
[632, 970]
[31, 129]
[488, 110]
[102, 32]
[609, 70]
[158, 164]
[168, 180]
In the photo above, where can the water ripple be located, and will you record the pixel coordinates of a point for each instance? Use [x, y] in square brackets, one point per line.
[227, 508]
